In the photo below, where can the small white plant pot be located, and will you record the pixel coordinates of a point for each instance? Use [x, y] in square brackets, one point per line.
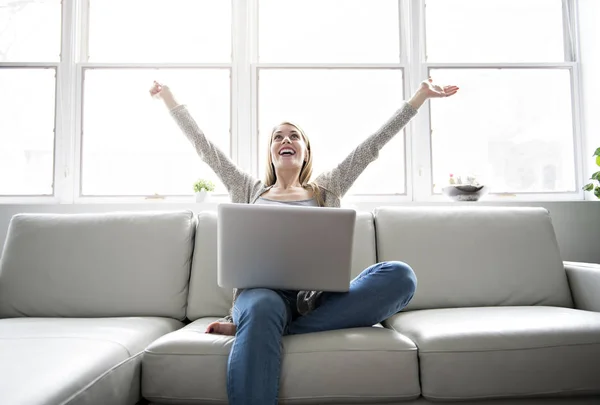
[201, 196]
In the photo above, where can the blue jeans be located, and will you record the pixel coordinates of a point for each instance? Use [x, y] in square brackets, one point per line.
[264, 316]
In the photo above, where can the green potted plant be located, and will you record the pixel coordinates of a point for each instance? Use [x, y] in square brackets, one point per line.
[202, 187]
[592, 186]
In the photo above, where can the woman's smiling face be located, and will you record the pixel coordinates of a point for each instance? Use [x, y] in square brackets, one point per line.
[288, 147]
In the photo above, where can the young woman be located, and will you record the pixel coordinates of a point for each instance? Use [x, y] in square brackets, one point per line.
[260, 317]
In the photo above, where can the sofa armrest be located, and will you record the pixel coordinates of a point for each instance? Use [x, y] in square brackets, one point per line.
[584, 280]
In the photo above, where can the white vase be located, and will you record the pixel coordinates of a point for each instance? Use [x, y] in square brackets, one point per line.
[201, 196]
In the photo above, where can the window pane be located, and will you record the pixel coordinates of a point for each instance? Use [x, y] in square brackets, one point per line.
[494, 31]
[510, 127]
[131, 145]
[27, 131]
[160, 31]
[328, 31]
[30, 30]
[337, 109]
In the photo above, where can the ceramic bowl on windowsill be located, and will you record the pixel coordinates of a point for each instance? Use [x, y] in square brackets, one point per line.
[465, 192]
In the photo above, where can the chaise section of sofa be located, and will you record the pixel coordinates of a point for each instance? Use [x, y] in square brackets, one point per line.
[493, 316]
[82, 296]
[362, 365]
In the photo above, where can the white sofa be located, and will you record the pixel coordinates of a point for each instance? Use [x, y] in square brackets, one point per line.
[107, 308]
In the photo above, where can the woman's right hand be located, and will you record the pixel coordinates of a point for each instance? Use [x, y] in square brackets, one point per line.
[221, 328]
[163, 92]
[159, 90]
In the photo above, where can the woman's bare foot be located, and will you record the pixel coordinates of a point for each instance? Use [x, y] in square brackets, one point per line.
[221, 328]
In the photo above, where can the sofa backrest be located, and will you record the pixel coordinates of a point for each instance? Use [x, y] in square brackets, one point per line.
[206, 298]
[475, 256]
[97, 265]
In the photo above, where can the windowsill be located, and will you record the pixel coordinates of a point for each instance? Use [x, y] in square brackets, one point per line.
[356, 201]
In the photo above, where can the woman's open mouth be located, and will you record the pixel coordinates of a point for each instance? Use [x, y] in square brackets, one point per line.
[287, 152]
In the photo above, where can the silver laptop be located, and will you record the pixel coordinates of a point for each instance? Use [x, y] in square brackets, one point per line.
[285, 247]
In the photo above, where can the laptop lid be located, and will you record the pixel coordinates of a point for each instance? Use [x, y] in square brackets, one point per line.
[285, 247]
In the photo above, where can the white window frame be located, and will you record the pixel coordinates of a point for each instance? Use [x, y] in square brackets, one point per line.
[83, 65]
[244, 69]
[422, 151]
[403, 64]
[60, 110]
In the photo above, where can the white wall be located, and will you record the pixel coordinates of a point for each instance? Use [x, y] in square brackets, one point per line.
[589, 23]
[577, 224]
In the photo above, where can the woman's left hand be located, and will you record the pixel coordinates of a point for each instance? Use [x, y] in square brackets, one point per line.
[429, 90]
[433, 90]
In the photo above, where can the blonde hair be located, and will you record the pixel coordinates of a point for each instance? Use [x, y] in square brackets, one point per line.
[305, 172]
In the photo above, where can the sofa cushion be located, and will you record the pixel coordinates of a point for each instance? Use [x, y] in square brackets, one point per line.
[469, 353]
[75, 361]
[206, 298]
[475, 256]
[584, 281]
[343, 366]
[97, 265]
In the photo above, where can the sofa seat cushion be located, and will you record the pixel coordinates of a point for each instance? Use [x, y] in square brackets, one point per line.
[75, 361]
[469, 353]
[362, 364]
